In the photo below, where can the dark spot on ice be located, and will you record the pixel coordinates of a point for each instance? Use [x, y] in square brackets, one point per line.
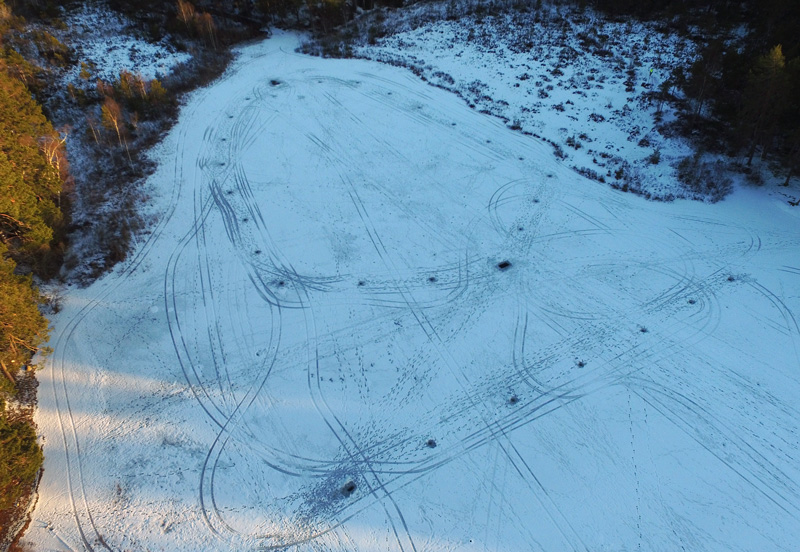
[522, 159]
[643, 329]
[388, 93]
[247, 98]
[431, 443]
[281, 283]
[513, 400]
[432, 279]
[224, 139]
[361, 282]
[349, 488]
[452, 124]
[502, 265]
[258, 252]
[520, 229]
[275, 82]
[245, 219]
[229, 192]
[581, 363]
[488, 141]
[731, 278]
[692, 301]
[222, 164]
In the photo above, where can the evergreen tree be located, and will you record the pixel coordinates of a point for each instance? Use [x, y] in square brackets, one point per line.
[765, 100]
[30, 183]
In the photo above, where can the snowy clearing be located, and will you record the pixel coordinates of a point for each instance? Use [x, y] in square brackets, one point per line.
[104, 39]
[587, 84]
[320, 346]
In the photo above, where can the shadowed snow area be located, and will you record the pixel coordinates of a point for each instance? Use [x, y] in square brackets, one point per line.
[320, 345]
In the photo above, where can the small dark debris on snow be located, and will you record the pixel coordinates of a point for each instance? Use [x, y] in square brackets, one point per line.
[503, 265]
[258, 252]
[692, 301]
[642, 329]
[432, 279]
[581, 363]
[520, 229]
[348, 488]
[245, 219]
[281, 283]
[361, 282]
[513, 400]
[536, 200]
[431, 443]
[275, 82]
[731, 278]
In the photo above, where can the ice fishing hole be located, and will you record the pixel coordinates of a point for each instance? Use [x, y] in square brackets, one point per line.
[349, 488]
[431, 443]
[513, 400]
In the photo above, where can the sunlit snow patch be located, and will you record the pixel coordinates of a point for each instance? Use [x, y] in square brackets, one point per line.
[105, 38]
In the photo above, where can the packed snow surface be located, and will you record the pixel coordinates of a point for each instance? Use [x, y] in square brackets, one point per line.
[371, 318]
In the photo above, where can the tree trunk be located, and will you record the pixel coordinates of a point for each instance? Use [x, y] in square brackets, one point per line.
[7, 373]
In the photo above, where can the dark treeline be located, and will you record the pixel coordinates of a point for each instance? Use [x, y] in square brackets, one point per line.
[742, 92]
[33, 171]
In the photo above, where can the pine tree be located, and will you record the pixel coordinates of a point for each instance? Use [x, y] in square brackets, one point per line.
[766, 99]
[22, 327]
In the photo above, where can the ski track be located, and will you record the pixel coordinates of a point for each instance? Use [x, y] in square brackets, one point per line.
[252, 316]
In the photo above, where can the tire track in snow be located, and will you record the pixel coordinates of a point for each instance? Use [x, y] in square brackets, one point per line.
[64, 414]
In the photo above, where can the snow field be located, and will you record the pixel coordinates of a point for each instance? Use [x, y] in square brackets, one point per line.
[315, 348]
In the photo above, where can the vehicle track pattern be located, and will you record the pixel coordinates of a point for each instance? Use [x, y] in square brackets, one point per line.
[338, 317]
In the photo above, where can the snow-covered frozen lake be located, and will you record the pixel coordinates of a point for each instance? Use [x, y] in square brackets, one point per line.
[316, 348]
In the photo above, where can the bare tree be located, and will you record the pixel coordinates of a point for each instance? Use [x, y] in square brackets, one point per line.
[113, 118]
[52, 145]
[207, 28]
[186, 13]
